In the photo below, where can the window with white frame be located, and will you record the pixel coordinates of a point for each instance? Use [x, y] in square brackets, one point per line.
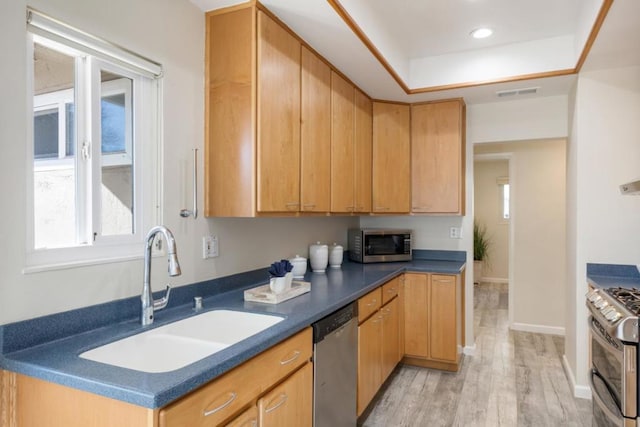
[93, 156]
[504, 197]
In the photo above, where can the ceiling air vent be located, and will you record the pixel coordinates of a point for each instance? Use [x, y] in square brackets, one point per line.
[514, 92]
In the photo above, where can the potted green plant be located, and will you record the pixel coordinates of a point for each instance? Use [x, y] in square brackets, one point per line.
[481, 247]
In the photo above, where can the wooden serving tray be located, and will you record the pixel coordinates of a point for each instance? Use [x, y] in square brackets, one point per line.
[263, 293]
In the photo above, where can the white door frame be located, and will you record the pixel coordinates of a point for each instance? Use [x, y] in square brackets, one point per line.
[511, 159]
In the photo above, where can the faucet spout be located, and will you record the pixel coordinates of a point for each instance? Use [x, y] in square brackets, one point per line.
[148, 304]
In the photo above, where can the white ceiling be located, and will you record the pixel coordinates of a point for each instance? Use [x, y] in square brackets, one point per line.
[427, 42]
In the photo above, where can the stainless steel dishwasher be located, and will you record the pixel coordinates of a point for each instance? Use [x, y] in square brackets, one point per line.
[335, 368]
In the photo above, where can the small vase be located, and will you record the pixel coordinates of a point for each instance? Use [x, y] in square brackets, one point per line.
[319, 257]
[282, 284]
[335, 256]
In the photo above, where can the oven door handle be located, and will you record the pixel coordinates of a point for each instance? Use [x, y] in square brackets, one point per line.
[612, 394]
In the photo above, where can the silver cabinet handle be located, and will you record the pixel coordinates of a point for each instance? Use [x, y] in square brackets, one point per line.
[292, 205]
[382, 208]
[186, 213]
[232, 397]
[296, 354]
[373, 301]
[283, 399]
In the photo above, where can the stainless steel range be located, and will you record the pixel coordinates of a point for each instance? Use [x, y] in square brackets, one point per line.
[614, 355]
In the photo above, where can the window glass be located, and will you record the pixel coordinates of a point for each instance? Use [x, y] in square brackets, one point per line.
[45, 133]
[117, 155]
[54, 180]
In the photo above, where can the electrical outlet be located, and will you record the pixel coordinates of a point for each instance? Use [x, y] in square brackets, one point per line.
[210, 247]
[455, 233]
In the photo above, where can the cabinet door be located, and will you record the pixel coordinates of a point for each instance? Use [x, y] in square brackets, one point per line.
[315, 134]
[290, 403]
[229, 127]
[369, 360]
[278, 118]
[442, 313]
[391, 158]
[248, 418]
[342, 147]
[390, 338]
[416, 314]
[362, 148]
[437, 149]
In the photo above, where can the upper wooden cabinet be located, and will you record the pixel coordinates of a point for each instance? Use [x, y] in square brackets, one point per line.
[438, 157]
[362, 152]
[278, 98]
[391, 158]
[350, 148]
[315, 134]
[252, 118]
[342, 145]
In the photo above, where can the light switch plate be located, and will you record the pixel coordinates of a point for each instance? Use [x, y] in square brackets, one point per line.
[210, 247]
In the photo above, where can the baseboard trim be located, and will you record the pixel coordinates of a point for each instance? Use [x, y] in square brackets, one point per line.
[579, 391]
[469, 350]
[539, 329]
[493, 280]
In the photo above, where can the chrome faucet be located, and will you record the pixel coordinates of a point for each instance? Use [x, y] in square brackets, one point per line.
[148, 303]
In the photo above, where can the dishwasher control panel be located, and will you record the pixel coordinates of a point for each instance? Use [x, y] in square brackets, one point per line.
[334, 321]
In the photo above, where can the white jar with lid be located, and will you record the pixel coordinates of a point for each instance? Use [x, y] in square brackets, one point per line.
[335, 256]
[299, 266]
[318, 257]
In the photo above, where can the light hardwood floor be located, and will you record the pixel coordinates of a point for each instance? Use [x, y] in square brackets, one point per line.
[513, 379]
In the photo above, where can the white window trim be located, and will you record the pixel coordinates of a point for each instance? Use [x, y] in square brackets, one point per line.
[502, 182]
[107, 249]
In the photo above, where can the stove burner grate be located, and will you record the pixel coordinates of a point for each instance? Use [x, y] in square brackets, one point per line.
[630, 298]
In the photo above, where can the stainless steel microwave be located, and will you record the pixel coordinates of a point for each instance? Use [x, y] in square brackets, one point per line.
[379, 245]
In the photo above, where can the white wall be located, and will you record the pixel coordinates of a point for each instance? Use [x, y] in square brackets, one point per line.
[172, 33]
[604, 152]
[524, 119]
[538, 179]
[488, 214]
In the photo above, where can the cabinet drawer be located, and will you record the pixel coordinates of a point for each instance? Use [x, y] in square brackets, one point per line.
[390, 290]
[249, 418]
[219, 400]
[369, 304]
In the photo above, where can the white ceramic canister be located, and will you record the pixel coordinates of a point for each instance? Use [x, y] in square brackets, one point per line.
[335, 256]
[318, 257]
[299, 266]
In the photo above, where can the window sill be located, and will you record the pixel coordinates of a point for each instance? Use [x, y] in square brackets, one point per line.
[69, 258]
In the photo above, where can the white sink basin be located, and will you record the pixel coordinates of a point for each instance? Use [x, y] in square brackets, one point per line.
[181, 343]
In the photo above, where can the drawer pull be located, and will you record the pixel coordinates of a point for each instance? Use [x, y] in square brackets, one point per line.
[296, 354]
[391, 290]
[373, 301]
[232, 397]
[283, 399]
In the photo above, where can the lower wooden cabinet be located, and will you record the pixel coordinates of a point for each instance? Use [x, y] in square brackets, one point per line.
[390, 338]
[369, 360]
[219, 400]
[378, 347]
[433, 320]
[290, 403]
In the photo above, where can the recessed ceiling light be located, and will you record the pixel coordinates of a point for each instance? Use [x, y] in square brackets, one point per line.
[481, 33]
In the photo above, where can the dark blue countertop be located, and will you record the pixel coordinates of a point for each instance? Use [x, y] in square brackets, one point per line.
[613, 275]
[48, 347]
